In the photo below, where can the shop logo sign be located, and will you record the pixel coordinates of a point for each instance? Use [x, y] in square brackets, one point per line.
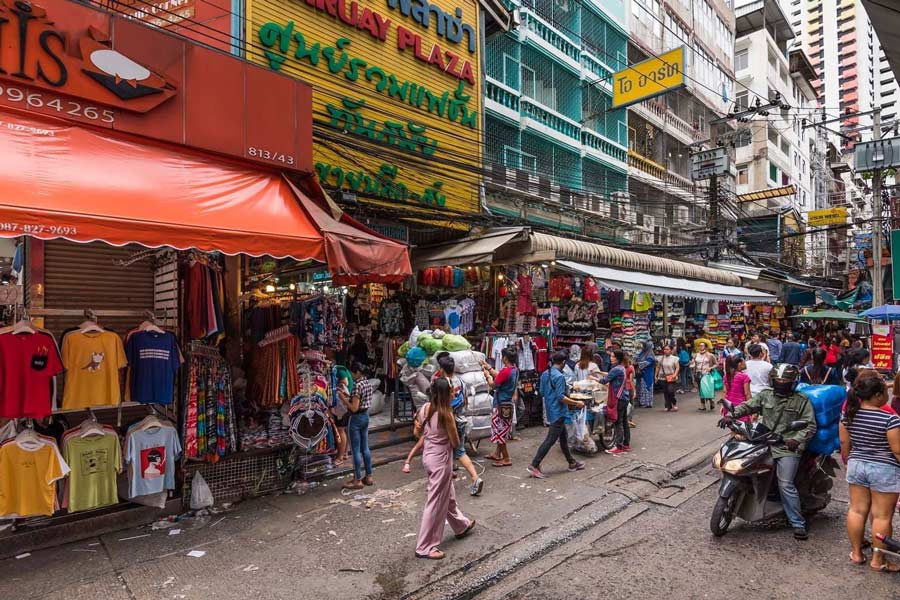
[34, 53]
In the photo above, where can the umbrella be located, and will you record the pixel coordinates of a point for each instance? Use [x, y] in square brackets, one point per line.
[829, 315]
[886, 312]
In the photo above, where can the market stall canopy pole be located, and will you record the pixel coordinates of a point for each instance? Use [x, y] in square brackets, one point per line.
[59, 180]
[633, 281]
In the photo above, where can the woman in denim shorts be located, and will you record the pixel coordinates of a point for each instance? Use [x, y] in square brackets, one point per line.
[870, 444]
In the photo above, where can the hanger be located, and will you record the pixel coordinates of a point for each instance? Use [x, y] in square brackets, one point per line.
[28, 435]
[90, 427]
[90, 323]
[149, 323]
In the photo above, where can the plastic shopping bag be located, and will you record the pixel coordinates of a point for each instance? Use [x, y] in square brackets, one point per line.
[707, 386]
[201, 496]
[717, 379]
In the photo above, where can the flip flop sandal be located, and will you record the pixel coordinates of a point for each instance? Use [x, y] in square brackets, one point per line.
[368, 481]
[861, 562]
[406, 468]
[436, 555]
[466, 531]
[350, 485]
[886, 568]
[502, 464]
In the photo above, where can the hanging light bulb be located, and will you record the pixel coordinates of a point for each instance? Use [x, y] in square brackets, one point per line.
[270, 288]
[500, 277]
[292, 286]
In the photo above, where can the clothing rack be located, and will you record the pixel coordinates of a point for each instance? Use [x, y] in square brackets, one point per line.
[276, 335]
[198, 348]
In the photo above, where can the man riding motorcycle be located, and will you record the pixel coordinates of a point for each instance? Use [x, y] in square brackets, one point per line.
[778, 408]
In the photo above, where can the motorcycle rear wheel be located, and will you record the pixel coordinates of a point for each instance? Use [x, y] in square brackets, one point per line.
[722, 515]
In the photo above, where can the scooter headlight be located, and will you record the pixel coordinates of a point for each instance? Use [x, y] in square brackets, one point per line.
[733, 466]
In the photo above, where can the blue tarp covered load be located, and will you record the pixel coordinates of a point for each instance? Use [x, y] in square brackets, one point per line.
[827, 401]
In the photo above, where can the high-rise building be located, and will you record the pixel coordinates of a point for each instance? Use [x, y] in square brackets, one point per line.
[774, 150]
[663, 131]
[555, 149]
[854, 75]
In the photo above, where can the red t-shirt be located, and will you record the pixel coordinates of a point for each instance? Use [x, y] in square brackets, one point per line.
[28, 362]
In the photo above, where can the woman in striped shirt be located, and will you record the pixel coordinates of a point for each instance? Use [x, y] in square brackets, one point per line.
[870, 445]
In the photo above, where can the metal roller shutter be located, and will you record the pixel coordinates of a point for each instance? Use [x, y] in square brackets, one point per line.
[82, 276]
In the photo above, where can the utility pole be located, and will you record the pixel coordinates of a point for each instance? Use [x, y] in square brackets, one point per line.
[714, 215]
[877, 227]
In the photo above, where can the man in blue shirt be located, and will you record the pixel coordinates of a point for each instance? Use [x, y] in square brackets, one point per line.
[553, 389]
[774, 345]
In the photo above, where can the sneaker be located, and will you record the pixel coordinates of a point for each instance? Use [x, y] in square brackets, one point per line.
[626, 448]
[477, 486]
[576, 466]
[535, 472]
[615, 451]
[800, 533]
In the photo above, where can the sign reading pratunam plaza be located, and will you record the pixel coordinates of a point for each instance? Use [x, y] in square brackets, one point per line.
[397, 93]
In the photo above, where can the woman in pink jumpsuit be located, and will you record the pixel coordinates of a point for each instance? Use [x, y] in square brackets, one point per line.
[435, 423]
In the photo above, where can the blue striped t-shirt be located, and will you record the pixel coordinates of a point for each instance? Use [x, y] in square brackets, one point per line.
[868, 435]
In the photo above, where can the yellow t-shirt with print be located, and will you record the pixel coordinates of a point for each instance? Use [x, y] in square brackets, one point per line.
[92, 360]
[28, 477]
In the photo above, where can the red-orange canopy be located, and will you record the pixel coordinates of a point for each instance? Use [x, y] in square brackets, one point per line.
[59, 180]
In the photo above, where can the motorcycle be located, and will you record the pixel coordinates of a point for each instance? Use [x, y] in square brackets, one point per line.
[749, 487]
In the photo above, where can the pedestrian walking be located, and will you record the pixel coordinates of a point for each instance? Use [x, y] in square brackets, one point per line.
[436, 425]
[553, 389]
[684, 364]
[458, 403]
[870, 446]
[358, 428]
[758, 369]
[817, 373]
[705, 363]
[617, 403]
[506, 391]
[667, 370]
[646, 369]
[737, 382]
[791, 351]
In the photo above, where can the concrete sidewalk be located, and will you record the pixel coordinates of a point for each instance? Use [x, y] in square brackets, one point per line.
[325, 544]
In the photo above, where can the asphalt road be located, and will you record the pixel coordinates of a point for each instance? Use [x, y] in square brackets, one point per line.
[633, 526]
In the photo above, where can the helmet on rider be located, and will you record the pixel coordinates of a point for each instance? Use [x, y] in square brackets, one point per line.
[784, 379]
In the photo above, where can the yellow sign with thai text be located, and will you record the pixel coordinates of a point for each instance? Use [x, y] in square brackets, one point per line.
[396, 94]
[649, 78]
[827, 216]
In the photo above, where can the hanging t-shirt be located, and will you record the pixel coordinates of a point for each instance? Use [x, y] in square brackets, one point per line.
[154, 358]
[497, 351]
[28, 362]
[92, 361]
[95, 460]
[453, 318]
[28, 475]
[151, 457]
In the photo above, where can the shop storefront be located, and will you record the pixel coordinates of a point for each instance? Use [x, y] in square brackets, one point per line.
[153, 265]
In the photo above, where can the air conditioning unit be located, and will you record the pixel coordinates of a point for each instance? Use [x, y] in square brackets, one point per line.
[682, 215]
[647, 222]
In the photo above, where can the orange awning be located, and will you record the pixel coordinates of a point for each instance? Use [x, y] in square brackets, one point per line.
[59, 180]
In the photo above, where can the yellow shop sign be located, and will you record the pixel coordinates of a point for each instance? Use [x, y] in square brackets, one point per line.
[396, 93]
[649, 78]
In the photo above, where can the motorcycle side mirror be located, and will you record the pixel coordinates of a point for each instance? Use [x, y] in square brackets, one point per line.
[729, 407]
[798, 425]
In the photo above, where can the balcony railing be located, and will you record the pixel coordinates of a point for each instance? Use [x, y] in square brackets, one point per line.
[657, 170]
[501, 94]
[592, 139]
[550, 118]
[549, 34]
[596, 67]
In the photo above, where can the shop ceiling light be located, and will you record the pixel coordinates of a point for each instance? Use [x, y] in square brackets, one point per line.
[270, 288]
[292, 286]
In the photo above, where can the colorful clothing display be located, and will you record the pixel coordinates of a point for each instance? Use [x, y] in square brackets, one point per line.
[152, 453]
[95, 460]
[29, 470]
[92, 360]
[28, 364]
[209, 431]
[153, 360]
